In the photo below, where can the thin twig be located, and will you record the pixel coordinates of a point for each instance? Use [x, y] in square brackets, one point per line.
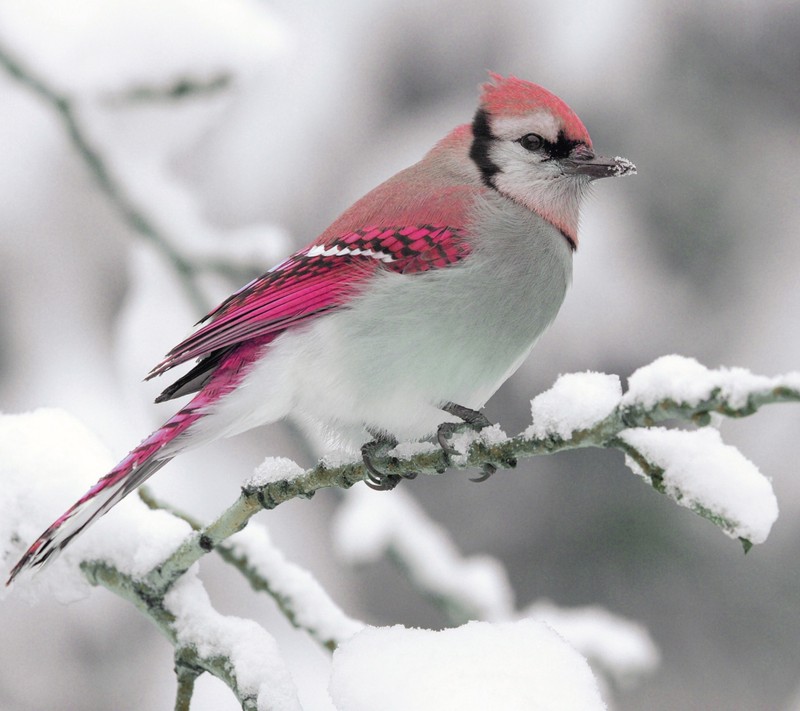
[232, 555]
[67, 110]
[186, 675]
[175, 91]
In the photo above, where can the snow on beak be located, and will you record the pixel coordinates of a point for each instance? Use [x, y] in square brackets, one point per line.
[582, 161]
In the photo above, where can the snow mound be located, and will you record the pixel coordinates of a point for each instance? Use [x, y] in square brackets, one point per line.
[514, 666]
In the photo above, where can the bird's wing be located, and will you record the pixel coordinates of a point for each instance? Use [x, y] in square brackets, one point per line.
[316, 279]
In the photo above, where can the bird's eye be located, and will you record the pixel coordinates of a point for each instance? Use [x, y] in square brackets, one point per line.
[531, 141]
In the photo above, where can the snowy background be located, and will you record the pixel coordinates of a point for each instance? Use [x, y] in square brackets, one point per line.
[301, 108]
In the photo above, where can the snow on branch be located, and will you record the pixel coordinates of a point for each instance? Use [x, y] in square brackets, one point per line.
[147, 559]
[468, 588]
[150, 203]
[619, 649]
[118, 553]
[698, 471]
[302, 600]
[238, 652]
[580, 410]
[367, 528]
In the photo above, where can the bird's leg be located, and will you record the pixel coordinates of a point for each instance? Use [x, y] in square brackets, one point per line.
[376, 479]
[470, 418]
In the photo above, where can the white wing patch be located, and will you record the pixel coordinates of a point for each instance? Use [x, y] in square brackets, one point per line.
[339, 251]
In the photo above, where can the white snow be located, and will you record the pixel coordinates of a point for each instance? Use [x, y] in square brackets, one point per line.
[492, 435]
[274, 469]
[340, 457]
[462, 441]
[311, 606]
[789, 380]
[576, 401]
[702, 473]
[684, 380]
[513, 666]
[253, 654]
[620, 648]
[133, 537]
[624, 167]
[47, 461]
[368, 525]
[103, 45]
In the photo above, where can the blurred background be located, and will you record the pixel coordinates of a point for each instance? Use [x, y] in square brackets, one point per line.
[241, 129]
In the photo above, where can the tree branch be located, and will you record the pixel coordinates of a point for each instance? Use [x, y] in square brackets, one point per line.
[191, 659]
[326, 623]
[183, 88]
[617, 423]
[186, 674]
[68, 113]
[189, 268]
[503, 454]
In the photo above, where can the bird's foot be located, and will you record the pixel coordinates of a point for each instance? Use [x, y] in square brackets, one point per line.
[376, 479]
[471, 419]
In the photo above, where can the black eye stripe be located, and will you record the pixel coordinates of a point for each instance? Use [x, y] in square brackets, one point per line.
[483, 139]
[561, 147]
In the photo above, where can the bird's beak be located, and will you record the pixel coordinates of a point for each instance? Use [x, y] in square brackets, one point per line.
[584, 162]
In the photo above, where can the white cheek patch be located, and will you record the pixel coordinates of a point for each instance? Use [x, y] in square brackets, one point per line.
[320, 250]
[511, 157]
[513, 127]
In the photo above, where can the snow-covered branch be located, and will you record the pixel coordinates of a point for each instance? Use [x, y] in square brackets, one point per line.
[150, 563]
[478, 587]
[68, 111]
[188, 245]
[580, 410]
[299, 596]
[368, 528]
[238, 652]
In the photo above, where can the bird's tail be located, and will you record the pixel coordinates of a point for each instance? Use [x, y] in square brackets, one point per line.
[142, 462]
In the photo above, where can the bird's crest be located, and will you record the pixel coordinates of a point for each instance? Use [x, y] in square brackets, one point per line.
[509, 96]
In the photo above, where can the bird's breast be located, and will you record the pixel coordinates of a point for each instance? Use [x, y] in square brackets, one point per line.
[408, 341]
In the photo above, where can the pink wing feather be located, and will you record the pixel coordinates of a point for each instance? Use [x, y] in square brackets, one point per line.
[316, 279]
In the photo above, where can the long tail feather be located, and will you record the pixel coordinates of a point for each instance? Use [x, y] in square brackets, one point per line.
[142, 462]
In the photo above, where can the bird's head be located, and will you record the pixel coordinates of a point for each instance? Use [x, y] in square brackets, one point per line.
[531, 147]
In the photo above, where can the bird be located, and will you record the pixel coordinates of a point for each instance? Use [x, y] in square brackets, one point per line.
[403, 317]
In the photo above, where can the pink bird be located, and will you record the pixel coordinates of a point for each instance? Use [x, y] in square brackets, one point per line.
[401, 318]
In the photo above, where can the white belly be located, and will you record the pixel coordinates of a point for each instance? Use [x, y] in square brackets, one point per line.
[409, 343]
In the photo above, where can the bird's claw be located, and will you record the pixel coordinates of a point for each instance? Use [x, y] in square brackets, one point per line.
[375, 478]
[444, 432]
[472, 419]
[488, 469]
